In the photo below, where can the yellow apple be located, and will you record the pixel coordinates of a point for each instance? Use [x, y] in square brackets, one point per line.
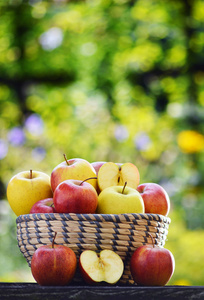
[112, 174]
[76, 168]
[26, 188]
[120, 200]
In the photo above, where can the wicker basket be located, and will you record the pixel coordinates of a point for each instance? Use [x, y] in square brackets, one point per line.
[120, 233]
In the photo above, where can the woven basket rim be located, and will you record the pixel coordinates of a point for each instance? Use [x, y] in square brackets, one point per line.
[90, 217]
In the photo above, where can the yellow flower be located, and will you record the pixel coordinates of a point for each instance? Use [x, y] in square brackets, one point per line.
[182, 282]
[190, 141]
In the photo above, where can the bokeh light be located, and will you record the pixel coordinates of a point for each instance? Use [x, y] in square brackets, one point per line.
[103, 80]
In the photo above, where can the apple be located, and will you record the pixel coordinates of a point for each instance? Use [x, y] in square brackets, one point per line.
[112, 174]
[75, 196]
[105, 266]
[53, 265]
[151, 265]
[156, 199]
[43, 206]
[120, 200]
[75, 168]
[26, 188]
[97, 164]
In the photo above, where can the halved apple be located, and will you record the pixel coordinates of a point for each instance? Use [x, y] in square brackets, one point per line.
[106, 266]
[112, 174]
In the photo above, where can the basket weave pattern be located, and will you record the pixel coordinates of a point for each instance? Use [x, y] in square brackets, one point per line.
[120, 233]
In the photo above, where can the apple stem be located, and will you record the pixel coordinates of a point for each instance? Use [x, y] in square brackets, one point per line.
[31, 174]
[151, 239]
[53, 241]
[88, 179]
[124, 187]
[66, 159]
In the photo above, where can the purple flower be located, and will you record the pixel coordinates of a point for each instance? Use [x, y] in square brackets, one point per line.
[3, 148]
[16, 136]
[142, 141]
[34, 124]
[38, 153]
[121, 133]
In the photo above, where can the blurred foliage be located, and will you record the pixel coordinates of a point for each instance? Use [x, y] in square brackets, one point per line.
[116, 80]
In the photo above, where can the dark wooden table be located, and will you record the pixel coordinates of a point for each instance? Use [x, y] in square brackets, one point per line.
[31, 291]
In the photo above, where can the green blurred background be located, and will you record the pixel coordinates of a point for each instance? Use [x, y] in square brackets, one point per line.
[106, 80]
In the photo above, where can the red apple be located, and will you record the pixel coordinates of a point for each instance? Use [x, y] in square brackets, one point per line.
[75, 168]
[105, 266]
[53, 265]
[151, 265]
[43, 206]
[75, 196]
[156, 199]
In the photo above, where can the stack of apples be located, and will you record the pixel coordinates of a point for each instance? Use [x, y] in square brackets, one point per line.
[78, 186]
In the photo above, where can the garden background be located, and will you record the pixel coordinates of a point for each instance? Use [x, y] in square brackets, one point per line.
[106, 80]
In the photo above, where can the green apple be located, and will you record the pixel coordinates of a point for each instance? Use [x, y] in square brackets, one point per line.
[120, 200]
[26, 188]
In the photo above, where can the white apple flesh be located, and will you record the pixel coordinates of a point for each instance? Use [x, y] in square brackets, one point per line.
[107, 266]
[97, 165]
[112, 174]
